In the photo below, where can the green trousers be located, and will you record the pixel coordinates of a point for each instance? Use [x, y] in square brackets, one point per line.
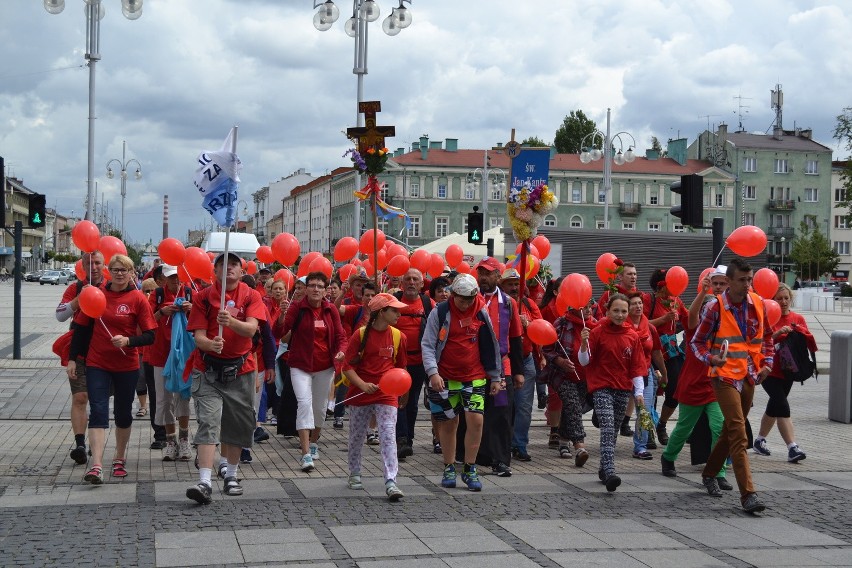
[687, 418]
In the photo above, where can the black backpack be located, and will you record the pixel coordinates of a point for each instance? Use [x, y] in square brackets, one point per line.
[797, 362]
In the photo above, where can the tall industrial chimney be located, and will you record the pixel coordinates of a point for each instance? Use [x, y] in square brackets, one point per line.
[165, 216]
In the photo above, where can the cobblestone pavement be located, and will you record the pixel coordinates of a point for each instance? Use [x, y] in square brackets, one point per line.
[548, 513]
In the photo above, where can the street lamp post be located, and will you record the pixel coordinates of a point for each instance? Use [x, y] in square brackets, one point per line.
[590, 153]
[123, 163]
[484, 175]
[363, 12]
[783, 272]
[132, 9]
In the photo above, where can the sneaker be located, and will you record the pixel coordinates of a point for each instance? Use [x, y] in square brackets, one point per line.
[245, 455]
[273, 421]
[553, 439]
[200, 493]
[436, 447]
[314, 449]
[601, 475]
[449, 479]
[724, 484]
[260, 435]
[752, 504]
[232, 487]
[184, 450]
[373, 438]
[643, 456]
[501, 470]
[78, 454]
[795, 455]
[355, 481]
[223, 470]
[761, 448]
[668, 467]
[662, 435]
[625, 429]
[170, 452]
[158, 444]
[580, 457]
[403, 448]
[338, 423]
[712, 486]
[565, 452]
[307, 463]
[612, 482]
[94, 476]
[393, 492]
[521, 454]
[471, 479]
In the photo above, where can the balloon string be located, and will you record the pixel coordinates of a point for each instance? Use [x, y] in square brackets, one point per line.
[715, 260]
[191, 279]
[350, 398]
[582, 315]
[110, 334]
[569, 359]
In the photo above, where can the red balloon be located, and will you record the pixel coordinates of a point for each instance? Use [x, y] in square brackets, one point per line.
[264, 255]
[561, 304]
[211, 255]
[381, 260]
[346, 271]
[321, 264]
[576, 289]
[92, 301]
[398, 265]
[421, 260]
[773, 311]
[366, 243]
[86, 236]
[368, 267]
[765, 283]
[396, 250]
[541, 332]
[184, 275]
[305, 263]
[80, 271]
[532, 250]
[171, 251]
[436, 265]
[251, 267]
[197, 263]
[543, 245]
[676, 280]
[463, 268]
[605, 267]
[454, 255]
[533, 264]
[704, 274]
[105, 272]
[747, 240]
[345, 249]
[285, 276]
[285, 248]
[395, 382]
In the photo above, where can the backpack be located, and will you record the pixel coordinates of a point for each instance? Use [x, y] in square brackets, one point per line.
[795, 359]
[427, 308]
[397, 337]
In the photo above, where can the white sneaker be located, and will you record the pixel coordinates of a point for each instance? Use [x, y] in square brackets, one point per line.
[184, 450]
[355, 481]
[307, 463]
[170, 452]
[315, 455]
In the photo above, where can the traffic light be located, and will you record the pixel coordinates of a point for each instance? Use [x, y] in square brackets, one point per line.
[37, 210]
[474, 228]
[691, 208]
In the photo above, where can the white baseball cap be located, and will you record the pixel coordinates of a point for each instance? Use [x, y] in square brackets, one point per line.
[720, 270]
[169, 270]
[465, 285]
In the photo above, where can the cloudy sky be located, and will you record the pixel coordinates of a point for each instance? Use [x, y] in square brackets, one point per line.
[174, 81]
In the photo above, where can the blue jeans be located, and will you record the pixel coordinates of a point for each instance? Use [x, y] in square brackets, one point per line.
[123, 383]
[640, 437]
[523, 406]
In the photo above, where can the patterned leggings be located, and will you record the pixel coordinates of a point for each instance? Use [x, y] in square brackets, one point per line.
[572, 396]
[609, 403]
[386, 421]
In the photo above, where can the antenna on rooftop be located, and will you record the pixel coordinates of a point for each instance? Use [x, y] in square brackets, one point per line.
[777, 102]
[741, 110]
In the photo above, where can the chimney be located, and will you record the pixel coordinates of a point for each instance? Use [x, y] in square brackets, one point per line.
[165, 216]
[452, 145]
[415, 146]
[424, 147]
[723, 134]
[435, 145]
[778, 133]
[652, 154]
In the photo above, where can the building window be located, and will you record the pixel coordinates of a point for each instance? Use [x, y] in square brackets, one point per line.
[414, 190]
[811, 194]
[550, 220]
[720, 200]
[653, 226]
[748, 218]
[781, 166]
[750, 164]
[628, 195]
[812, 168]
[841, 247]
[470, 191]
[383, 194]
[677, 228]
[601, 196]
[414, 230]
[495, 222]
[779, 193]
[576, 222]
[496, 194]
[442, 191]
[576, 195]
[599, 225]
[442, 225]
[628, 226]
[654, 198]
[841, 222]
[382, 225]
[810, 221]
[839, 194]
[749, 192]
[464, 225]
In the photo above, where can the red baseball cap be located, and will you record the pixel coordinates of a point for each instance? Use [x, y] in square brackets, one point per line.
[488, 263]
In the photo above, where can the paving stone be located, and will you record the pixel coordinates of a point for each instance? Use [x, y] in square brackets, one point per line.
[527, 484]
[630, 483]
[552, 535]
[619, 526]
[102, 494]
[279, 552]
[403, 563]
[169, 557]
[452, 528]
[779, 482]
[492, 561]
[710, 532]
[384, 547]
[841, 479]
[676, 559]
[275, 536]
[606, 558]
[460, 544]
[778, 557]
[371, 533]
[782, 532]
[641, 540]
[165, 491]
[199, 539]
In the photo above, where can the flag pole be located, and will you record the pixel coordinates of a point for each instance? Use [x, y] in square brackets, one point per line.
[227, 237]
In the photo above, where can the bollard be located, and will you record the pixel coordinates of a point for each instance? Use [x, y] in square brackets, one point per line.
[840, 380]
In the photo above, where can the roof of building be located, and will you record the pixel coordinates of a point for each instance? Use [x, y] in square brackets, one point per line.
[788, 141]
[318, 181]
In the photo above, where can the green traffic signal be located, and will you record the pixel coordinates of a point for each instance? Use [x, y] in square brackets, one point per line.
[37, 206]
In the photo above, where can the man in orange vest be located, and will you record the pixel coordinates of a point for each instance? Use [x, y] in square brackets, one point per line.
[735, 339]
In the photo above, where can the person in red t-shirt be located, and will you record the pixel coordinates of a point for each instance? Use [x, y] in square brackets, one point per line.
[263, 275]
[349, 313]
[93, 264]
[223, 383]
[612, 355]
[112, 363]
[372, 352]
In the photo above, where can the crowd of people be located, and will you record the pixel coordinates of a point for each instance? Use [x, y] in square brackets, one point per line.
[294, 358]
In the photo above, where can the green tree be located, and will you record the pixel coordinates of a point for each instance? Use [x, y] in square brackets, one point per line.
[655, 144]
[812, 253]
[534, 142]
[574, 128]
[843, 133]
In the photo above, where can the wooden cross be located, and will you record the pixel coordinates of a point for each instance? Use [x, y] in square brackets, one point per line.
[370, 135]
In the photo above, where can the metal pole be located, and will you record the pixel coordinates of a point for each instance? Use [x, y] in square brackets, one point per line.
[16, 309]
[123, 183]
[485, 192]
[359, 69]
[718, 238]
[607, 171]
[93, 55]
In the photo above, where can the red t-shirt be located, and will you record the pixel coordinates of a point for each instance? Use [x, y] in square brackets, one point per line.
[649, 337]
[350, 312]
[127, 312]
[661, 308]
[322, 357]
[549, 312]
[693, 383]
[409, 322]
[615, 357]
[460, 356]
[205, 308]
[377, 359]
[532, 313]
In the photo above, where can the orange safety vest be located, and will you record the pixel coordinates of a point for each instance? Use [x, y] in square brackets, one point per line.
[739, 348]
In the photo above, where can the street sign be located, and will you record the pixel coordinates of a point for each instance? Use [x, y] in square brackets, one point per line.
[530, 168]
